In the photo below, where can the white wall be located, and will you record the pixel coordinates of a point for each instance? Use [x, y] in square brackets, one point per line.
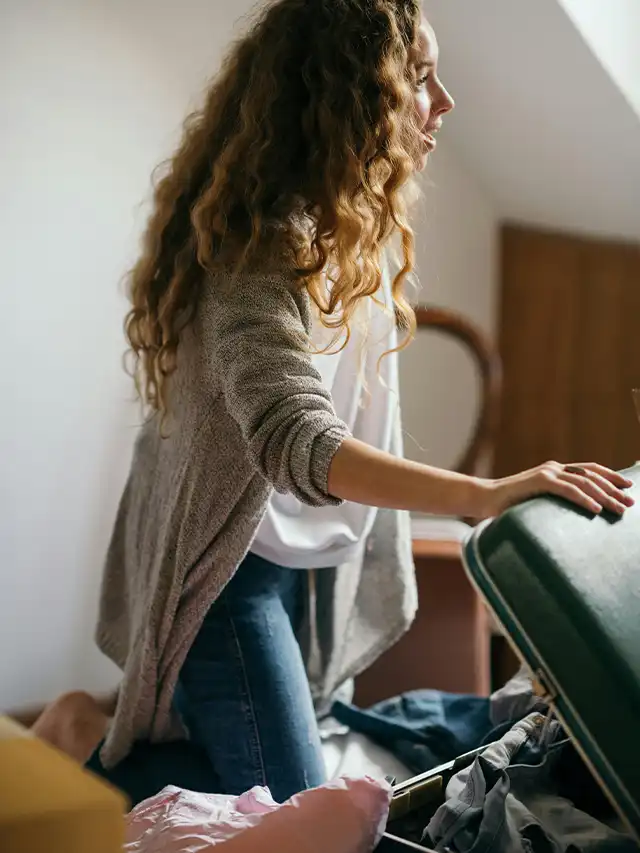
[457, 236]
[611, 28]
[91, 96]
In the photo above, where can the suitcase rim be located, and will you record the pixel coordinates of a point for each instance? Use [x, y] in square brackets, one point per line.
[558, 702]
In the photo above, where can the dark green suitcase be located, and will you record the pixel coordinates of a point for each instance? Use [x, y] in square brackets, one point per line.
[565, 587]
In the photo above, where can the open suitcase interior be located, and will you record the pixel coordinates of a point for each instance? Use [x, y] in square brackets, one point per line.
[565, 587]
[416, 802]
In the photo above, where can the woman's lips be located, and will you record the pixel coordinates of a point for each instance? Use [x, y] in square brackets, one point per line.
[429, 136]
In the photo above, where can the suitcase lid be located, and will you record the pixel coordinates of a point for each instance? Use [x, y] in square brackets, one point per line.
[565, 587]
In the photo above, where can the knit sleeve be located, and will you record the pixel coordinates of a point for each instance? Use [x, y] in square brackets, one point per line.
[257, 338]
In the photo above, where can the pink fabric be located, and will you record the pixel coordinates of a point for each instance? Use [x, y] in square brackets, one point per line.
[343, 816]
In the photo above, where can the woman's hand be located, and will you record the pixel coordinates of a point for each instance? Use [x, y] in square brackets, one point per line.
[588, 485]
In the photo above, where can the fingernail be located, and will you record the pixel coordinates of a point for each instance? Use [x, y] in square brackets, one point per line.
[629, 500]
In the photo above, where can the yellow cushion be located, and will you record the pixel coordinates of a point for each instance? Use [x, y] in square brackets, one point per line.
[49, 803]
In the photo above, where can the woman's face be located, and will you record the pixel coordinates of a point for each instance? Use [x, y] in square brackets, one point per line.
[432, 101]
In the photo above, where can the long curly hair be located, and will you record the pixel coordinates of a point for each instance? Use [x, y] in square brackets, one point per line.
[305, 146]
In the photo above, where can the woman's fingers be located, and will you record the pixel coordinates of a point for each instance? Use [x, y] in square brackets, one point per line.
[604, 481]
[612, 477]
[588, 485]
[608, 485]
[575, 494]
[597, 490]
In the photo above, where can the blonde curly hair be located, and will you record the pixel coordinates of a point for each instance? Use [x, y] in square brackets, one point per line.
[305, 144]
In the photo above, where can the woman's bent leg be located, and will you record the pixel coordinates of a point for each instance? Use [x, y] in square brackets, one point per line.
[243, 691]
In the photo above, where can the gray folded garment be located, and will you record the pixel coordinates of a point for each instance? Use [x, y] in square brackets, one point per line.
[515, 700]
[507, 801]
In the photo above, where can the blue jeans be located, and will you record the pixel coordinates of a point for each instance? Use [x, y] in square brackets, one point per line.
[244, 696]
[243, 691]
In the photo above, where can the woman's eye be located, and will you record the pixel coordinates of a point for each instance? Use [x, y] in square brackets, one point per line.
[422, 81]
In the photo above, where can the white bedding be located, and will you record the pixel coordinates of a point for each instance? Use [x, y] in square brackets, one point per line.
[347, 753]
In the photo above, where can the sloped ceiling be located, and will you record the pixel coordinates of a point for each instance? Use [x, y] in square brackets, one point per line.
[612, 28]
[539, 120]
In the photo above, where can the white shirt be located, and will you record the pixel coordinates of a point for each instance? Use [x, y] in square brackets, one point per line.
[365, 397]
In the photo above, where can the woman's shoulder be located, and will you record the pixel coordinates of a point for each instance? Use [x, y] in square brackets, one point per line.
[269, 289]
[255, 276]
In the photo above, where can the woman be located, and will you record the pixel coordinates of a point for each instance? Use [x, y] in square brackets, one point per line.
[263, 325]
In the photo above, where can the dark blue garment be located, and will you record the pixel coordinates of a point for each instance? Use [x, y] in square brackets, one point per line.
[423, 729]
[150, 767]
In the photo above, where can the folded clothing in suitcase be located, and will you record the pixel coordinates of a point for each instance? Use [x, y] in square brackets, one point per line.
[565, 586]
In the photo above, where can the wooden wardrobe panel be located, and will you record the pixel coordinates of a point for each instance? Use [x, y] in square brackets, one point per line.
[537, 320]
[570, 342]
[629, 369]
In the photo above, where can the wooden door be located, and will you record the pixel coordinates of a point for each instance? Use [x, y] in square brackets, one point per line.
[570, 343]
